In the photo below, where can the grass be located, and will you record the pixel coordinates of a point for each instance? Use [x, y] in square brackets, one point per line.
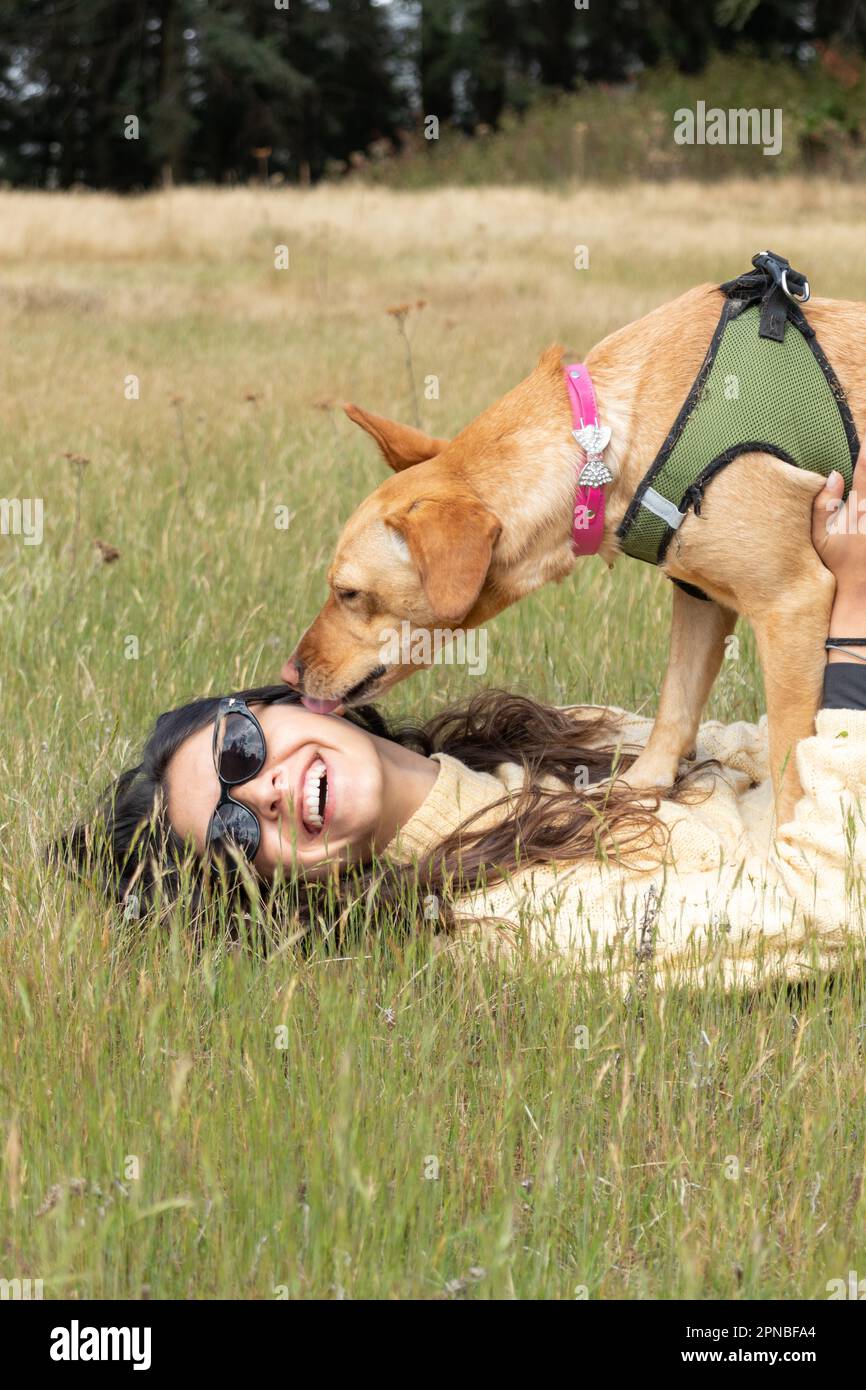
[429, 1128]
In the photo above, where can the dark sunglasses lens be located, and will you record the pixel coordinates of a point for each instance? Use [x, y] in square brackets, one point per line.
[240, 750]
[234, 828]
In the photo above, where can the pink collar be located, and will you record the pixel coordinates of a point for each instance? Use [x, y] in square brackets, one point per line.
[588, 527]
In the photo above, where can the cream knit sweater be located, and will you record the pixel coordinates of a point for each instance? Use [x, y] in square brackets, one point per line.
[728, 899]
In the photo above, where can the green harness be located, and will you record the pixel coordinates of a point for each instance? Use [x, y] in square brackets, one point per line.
[765, 385]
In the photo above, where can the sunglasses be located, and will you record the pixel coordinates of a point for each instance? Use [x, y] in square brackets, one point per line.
[239, 753]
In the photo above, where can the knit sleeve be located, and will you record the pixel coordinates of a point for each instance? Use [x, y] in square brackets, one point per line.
[821, 852]
[740, 746]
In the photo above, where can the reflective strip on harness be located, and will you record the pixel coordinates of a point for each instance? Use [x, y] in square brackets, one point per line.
[660, 506]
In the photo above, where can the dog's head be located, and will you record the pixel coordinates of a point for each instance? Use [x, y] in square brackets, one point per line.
[412, 559]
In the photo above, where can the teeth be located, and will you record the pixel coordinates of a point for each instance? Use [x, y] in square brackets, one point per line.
[312, 786]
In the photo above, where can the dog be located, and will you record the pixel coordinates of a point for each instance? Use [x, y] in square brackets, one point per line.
[468, 526]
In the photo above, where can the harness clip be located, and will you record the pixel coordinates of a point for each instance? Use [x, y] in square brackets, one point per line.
[796, 298]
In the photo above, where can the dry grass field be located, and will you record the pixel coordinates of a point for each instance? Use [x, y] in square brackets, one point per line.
[164, 389]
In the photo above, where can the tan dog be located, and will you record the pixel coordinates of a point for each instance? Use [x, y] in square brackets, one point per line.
[467, 526]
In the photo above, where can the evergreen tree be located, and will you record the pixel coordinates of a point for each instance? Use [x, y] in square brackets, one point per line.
[128, 93]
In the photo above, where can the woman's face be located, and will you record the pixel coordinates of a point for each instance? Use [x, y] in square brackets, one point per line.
[287, 794]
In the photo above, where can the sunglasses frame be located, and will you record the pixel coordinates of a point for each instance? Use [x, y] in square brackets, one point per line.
[235, 705]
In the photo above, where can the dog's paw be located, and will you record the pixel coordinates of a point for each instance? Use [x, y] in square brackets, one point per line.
[651, 773]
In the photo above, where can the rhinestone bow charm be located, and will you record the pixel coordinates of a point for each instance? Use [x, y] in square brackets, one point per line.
[593, 440]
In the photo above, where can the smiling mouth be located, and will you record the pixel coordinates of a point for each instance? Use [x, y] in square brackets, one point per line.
[315, 796]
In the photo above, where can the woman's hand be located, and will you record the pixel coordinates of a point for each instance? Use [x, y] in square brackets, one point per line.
[839, 536]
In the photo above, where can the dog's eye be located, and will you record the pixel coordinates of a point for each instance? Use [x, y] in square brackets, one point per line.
[346, 595]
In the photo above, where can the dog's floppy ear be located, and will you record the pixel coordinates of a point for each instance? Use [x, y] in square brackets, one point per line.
[451, 543]
[401, 445]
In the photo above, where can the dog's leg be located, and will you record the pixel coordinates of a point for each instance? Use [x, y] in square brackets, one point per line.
[790, 638]
[754, 538]
[698, 631]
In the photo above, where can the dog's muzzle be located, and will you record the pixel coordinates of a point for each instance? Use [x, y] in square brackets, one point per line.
[353, 696]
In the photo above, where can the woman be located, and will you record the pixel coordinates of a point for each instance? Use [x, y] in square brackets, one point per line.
[504, 813]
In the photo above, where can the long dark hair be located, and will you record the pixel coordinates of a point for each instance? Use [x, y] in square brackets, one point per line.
[130, 846]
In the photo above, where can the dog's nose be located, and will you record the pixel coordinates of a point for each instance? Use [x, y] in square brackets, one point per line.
[293, 672]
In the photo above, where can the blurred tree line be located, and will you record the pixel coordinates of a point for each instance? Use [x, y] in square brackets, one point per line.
[224, 90]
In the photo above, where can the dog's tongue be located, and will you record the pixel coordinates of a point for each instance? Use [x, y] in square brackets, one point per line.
[319, 706]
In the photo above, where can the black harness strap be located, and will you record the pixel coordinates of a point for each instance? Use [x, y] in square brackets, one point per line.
[691, 589]
[772, 283]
